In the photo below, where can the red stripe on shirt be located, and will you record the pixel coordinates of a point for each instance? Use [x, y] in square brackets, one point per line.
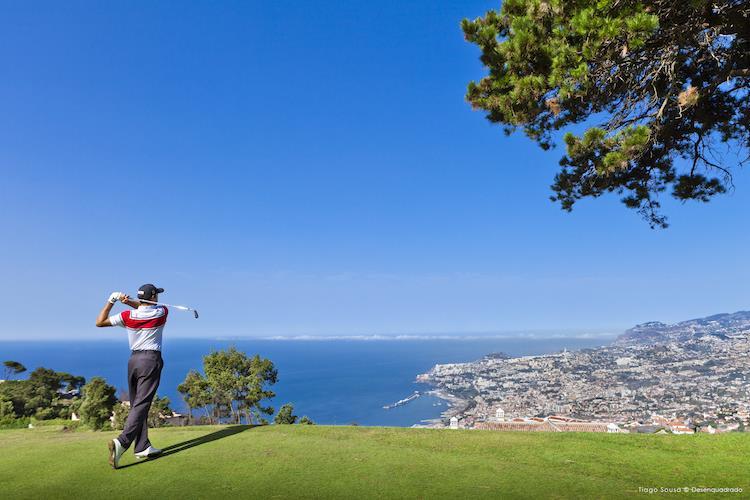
[136, 324]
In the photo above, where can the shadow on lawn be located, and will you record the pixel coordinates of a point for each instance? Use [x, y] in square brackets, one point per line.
[185, 445]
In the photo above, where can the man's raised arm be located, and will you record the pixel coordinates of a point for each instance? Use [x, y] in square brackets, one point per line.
[103, 318]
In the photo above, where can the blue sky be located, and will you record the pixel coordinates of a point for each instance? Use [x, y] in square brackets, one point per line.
[309, 168]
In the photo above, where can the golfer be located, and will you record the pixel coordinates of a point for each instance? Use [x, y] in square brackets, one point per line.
[144, 325]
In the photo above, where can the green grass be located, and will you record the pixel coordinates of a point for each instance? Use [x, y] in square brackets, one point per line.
[368, 462]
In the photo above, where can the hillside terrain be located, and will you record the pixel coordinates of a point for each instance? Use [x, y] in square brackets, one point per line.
[722, 326]
[695, 370]
[361, 462]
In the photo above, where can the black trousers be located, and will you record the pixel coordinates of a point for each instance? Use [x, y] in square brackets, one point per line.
[144, 374]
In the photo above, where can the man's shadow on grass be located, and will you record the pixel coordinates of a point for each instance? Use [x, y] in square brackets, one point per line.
[191, 443]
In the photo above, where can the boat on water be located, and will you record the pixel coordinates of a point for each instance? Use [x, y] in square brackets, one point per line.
[401, 402]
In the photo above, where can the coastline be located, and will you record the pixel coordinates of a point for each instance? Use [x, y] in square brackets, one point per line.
[456, 406]
[323, 380]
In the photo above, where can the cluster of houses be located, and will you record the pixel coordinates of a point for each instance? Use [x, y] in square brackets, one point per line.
[657, 424]
[553, 423]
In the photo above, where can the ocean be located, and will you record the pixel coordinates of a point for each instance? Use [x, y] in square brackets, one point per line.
[332, 381]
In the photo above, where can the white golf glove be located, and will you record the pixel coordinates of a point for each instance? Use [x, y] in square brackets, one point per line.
[115, 296]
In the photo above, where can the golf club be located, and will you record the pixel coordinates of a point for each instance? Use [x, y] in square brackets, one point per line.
[182, 308]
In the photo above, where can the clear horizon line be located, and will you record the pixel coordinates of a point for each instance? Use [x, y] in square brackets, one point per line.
[528, 335]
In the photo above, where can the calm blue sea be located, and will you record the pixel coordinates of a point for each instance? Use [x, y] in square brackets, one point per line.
[331, 381]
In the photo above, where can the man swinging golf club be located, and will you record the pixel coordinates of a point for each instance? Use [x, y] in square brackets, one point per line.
[144, 325]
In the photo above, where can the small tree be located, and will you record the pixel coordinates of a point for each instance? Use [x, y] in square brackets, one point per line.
[6, 408]
[75, 407]
[306, 421]
[261, 374]
[159, 406]
[239, 384]
[121, 416]
[285, 415]
[41, 393]
[224, 375]
[12, 368]
[234, 386]
[196, 393]
[98, 401]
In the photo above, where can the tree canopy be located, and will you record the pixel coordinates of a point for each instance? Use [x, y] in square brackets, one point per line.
[97, 403]
[234, 385]
[46, 394]
[662, 86]
[286, 415]
[305, 420]
[12, 368]
[196, 393]
[42, 395]
[159, 407]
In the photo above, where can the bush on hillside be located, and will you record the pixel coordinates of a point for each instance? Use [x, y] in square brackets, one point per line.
[286, 415]
[14, 423]
[159, 406]
[6, 408]
[122, 411]
[98, 401]
[47, 394]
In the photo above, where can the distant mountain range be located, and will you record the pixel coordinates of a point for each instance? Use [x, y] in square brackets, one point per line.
[723, 326]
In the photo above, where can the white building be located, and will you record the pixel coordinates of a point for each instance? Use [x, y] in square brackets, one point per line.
[454, 423]
[499, 415]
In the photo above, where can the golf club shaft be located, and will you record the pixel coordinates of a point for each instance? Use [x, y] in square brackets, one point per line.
[184, 308]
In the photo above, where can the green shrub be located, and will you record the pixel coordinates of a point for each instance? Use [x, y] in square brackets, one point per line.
[98, 401]
[286, 415]
[14, 423]
[54, 421]
[159, 405]
[121, 415]
[45, 414]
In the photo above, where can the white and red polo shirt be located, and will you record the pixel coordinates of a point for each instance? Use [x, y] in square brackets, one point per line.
[144, 325]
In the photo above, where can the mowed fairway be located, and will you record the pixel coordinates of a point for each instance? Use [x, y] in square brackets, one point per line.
[367, 462]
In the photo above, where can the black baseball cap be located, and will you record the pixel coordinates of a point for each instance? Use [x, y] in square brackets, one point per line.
[148, 290]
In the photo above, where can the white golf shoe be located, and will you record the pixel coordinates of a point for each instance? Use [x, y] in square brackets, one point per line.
[148, 452]
[115, 452]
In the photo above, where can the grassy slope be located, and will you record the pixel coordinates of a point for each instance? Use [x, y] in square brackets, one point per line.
[320, 461]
